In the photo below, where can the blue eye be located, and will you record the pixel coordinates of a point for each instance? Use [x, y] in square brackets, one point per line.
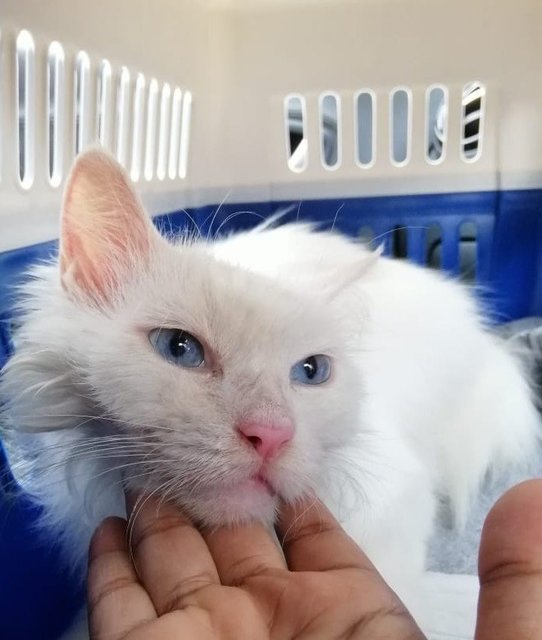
[178, 347]
[312, 370]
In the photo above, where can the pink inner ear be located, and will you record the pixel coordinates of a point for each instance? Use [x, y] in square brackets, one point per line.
[75, 266]
[105, 233]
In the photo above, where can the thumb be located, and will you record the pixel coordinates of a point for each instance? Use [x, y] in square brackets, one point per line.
[510, 567]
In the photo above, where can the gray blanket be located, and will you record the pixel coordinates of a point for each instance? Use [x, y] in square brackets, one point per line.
[453, 551]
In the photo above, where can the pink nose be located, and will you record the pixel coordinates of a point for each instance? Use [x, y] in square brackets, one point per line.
[266, 438]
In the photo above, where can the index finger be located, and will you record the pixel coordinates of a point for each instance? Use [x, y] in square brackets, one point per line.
[117, 602]
[313, 540]
[169, 553]
[243, 551]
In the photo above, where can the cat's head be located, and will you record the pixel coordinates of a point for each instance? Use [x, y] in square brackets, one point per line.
[225, 388]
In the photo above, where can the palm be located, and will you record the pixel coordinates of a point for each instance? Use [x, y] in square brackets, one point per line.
[234, 583]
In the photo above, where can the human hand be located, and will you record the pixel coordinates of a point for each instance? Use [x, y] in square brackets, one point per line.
[234, 583]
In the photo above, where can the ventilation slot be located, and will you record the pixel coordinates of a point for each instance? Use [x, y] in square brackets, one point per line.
[365, 128]
[82, 79]
[434, 246]
[122, 116]
[138, 124]
[55, 110]
[103, 121]
[436, 115]
[468, 252]
[473, 103]
[399, 242]
[329, 130]
[25, 107]
[400, 113]
[163, 137]
[150, 135]
[297, 144]
[185, 134]
[175, 133]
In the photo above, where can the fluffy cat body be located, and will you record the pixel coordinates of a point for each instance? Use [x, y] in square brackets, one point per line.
[422, 401]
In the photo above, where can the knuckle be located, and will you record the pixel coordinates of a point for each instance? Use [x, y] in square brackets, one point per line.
[509, 570]
[113, 588]
[160, 526]
[393, 613]
[245, 568]
[176, 597]
[310, 530]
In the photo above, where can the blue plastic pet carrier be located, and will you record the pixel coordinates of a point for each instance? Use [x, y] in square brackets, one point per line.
[413, 124]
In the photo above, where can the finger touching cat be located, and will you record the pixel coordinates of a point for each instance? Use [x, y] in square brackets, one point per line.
[117, 602]
[313, 540]
[169, 554]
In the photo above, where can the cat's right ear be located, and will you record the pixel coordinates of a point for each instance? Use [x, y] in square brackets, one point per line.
[343, 276]
[105, 233]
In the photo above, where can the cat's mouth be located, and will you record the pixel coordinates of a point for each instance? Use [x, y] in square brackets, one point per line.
[253, 496]
[263, 484]
[257, 486]
[258, 483]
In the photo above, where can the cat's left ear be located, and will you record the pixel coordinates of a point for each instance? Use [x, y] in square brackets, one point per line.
[105, 233]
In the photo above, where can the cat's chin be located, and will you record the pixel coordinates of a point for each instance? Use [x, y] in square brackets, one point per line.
[251, 499]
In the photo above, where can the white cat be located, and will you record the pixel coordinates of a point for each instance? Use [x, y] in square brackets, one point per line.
[224, 375]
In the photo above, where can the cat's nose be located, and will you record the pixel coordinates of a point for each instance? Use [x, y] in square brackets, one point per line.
[266, 437]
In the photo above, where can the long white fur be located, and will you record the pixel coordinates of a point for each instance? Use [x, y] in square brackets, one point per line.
[423, 401]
